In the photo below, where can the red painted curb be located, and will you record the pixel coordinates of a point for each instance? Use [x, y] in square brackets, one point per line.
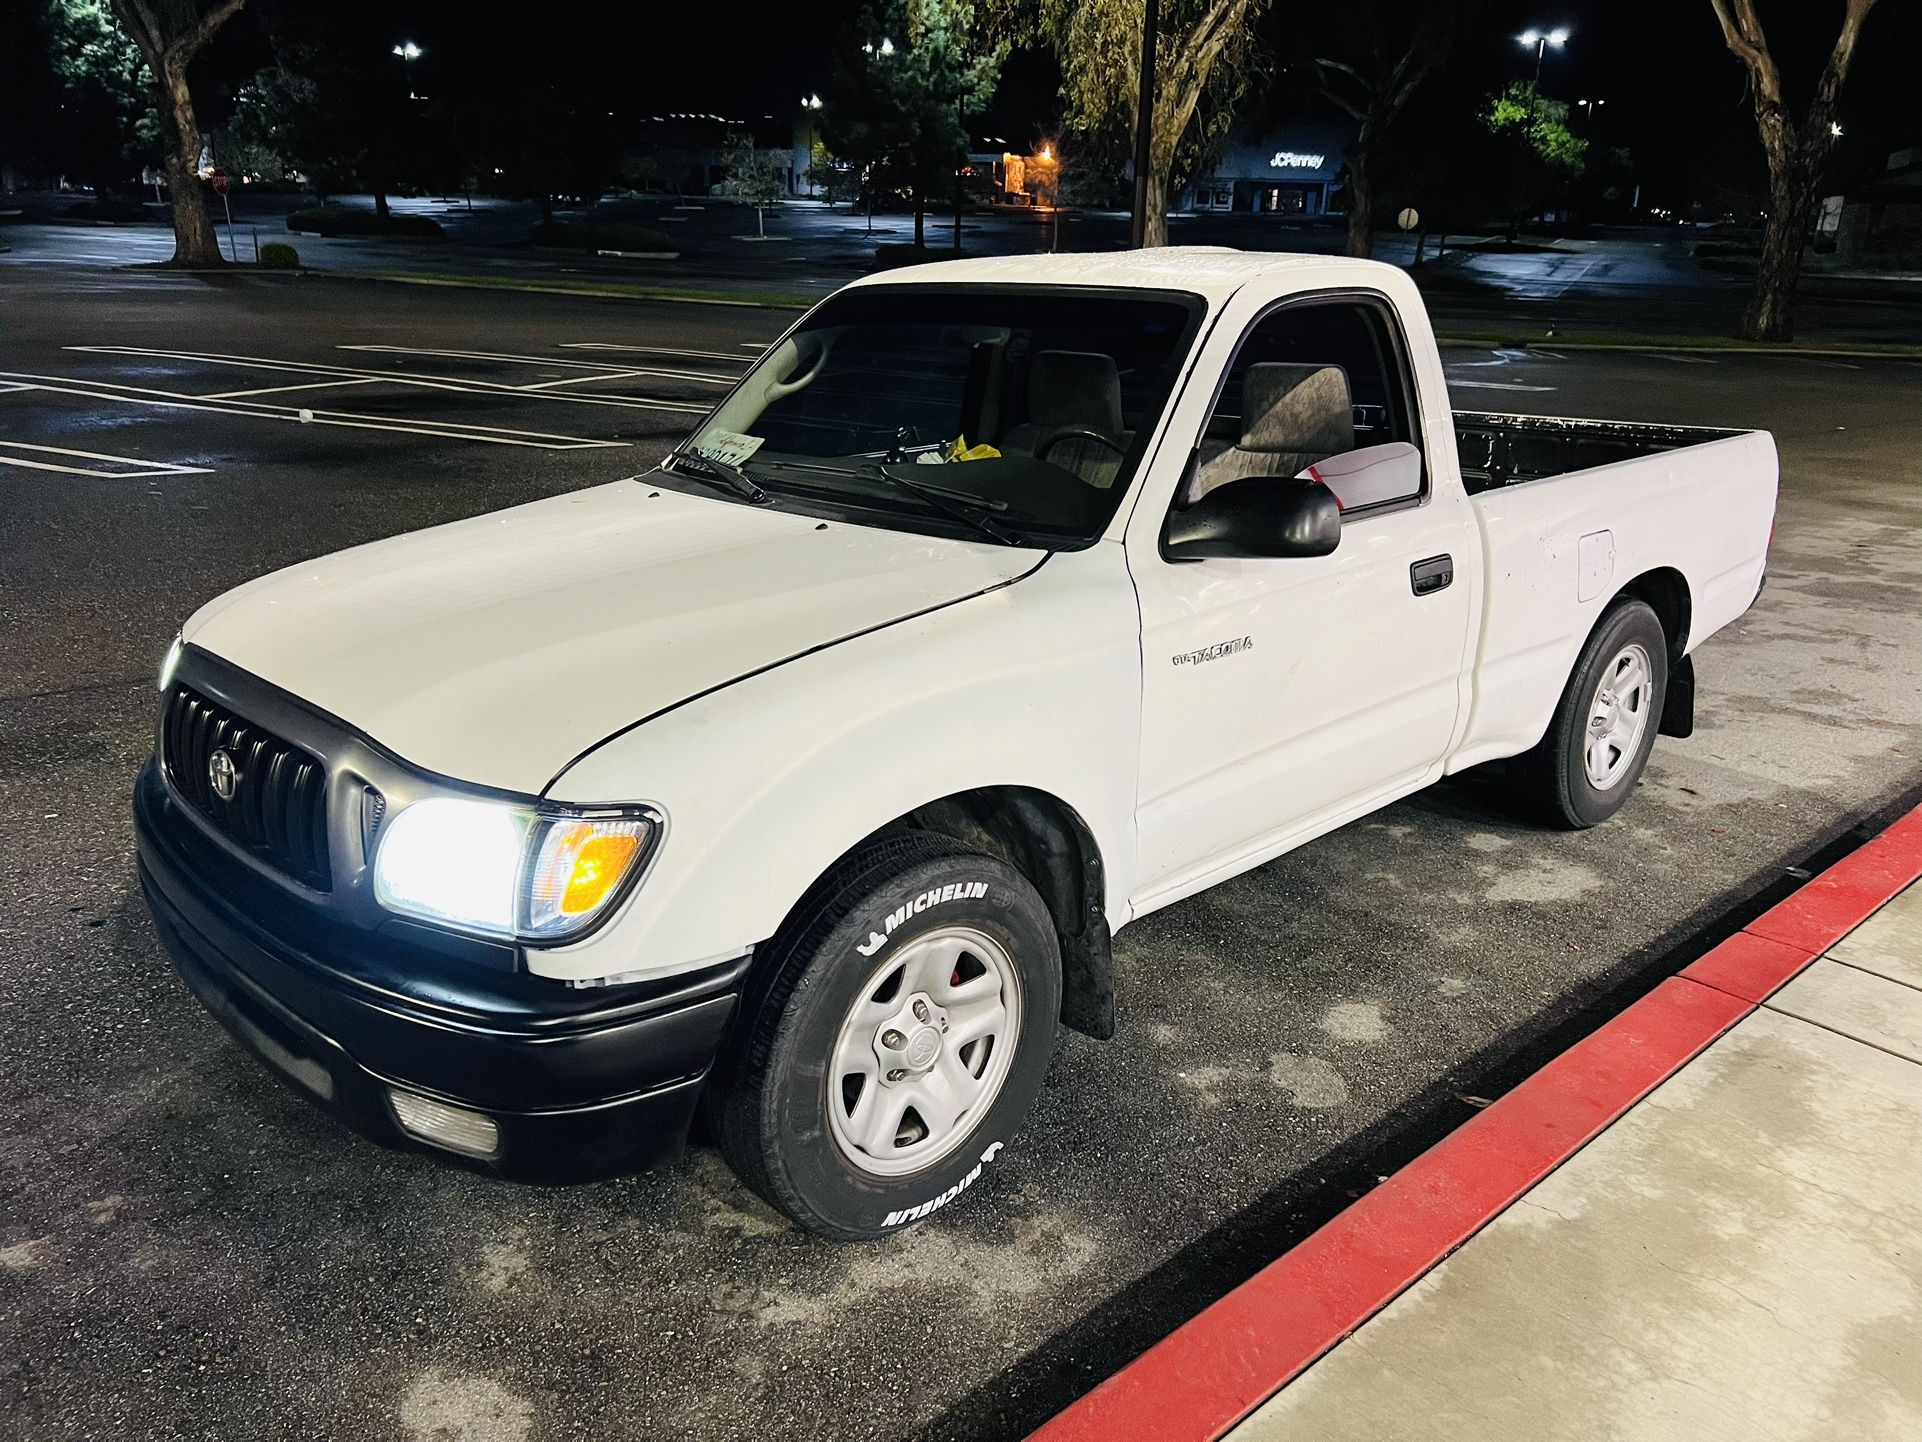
[1829, 907]
[1202, 1379]
[1748, 966]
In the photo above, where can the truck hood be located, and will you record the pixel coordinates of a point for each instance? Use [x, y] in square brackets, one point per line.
[497, 650]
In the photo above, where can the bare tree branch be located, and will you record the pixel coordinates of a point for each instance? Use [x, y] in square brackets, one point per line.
[195, 40]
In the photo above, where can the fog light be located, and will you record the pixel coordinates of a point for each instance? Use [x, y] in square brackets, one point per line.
[455, 1128]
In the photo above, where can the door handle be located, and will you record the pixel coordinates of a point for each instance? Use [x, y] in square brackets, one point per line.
[1436, 573]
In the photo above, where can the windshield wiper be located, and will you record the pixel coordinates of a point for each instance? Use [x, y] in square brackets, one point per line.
[706, 468]
[968, 509]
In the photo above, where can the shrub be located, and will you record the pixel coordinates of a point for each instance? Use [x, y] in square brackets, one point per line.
[341, 220]
[278, 255]
[600, 235]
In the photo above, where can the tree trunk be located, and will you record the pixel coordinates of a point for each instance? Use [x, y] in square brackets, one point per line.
[1771, 313]
[1361, 207]
[1154, 229]
[194, 240]
[547, 209]
[920, 219]
[380, 207]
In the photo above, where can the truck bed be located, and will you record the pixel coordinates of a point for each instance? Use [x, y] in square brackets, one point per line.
[1508, 450]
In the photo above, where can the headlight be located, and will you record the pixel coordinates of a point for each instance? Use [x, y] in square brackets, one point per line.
[509, 870]
[170, 665]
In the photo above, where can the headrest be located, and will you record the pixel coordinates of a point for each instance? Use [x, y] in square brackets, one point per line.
[1304, 408]
[1075, 388]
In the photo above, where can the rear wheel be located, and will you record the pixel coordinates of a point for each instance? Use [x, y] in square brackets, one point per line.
[901, 1040]
[1598, 744]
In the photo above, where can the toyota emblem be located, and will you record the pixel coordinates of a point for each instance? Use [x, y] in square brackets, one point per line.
[222, 776]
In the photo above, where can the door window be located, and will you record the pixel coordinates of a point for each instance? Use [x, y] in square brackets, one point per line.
[1319, 389]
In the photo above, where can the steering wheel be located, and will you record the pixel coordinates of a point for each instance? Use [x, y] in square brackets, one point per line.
[1075, 433]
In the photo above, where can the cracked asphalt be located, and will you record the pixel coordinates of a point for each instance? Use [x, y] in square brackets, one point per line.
[188, 1250]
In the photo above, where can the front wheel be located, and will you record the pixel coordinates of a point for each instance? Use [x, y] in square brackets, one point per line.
[901, 1040]
[1598, 744]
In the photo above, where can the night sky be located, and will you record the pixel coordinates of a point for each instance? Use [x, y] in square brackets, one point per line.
[1674, 94]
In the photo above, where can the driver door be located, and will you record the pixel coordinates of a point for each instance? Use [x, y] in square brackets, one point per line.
[1281, 696]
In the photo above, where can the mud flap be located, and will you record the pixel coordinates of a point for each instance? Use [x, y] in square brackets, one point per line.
[1678, 706]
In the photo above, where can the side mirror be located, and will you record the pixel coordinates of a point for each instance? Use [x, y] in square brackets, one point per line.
[1256, 516]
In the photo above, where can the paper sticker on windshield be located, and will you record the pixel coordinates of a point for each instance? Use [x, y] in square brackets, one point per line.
[730, 448]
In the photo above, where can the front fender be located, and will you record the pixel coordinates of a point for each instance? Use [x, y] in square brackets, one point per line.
[768, 780]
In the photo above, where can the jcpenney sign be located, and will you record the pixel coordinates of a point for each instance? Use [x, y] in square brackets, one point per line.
[1296, 160]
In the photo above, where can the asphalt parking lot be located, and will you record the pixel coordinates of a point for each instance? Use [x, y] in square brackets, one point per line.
[187, 1249]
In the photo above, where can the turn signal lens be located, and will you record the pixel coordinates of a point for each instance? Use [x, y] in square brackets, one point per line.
[578, 868]
[508, 870]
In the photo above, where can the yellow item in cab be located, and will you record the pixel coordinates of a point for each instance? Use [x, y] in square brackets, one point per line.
[962, 451]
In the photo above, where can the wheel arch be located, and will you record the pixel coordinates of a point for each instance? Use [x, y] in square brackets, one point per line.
[1666, 592]
[1048, 842]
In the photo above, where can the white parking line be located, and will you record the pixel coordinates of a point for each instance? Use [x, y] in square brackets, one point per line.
[739, 360]
[303, 386]
[1494, 385]
[607, 371]
[1680, 360]
[264, 410]
[590, 379]
[1809, 360]
[152, 468]
[400, 378]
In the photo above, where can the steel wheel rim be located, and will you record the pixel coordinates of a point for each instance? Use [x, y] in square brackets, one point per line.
[923, 1052]
[1618, 714]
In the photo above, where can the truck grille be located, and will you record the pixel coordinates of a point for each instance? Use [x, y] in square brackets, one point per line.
[277, 809]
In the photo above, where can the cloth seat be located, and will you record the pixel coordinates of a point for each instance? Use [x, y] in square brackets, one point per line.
[1292, 416]
[1077, 390]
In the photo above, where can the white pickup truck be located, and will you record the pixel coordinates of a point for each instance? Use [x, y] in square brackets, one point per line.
[801, 783]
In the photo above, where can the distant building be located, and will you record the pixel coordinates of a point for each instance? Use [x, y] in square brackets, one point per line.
[684, 152]
[1290, 170]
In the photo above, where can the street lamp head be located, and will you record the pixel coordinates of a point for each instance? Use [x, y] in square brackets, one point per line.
[1835, 127]
[1529, 37]
[1559, 37]
[408, 50]
[887, 46]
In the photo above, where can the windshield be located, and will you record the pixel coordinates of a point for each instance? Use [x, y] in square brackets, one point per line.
[1009, 413]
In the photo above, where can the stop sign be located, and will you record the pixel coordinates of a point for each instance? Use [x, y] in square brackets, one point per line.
[220, 182]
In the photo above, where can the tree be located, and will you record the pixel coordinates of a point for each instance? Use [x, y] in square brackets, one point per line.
[1205, 59]
[170, 33]
[1542, 158]
[897, 113]
[754, 175]
[540, 112]
[107, 130]
[1392, 47]
[340, 104]
[1798, 154]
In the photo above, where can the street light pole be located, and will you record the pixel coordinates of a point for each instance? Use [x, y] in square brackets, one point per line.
[1144, 124]
[1541, 40]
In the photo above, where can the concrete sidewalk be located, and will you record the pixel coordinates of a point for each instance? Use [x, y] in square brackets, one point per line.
[1739, 1256]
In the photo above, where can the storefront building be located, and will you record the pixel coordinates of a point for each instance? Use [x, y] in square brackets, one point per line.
[1290, 172]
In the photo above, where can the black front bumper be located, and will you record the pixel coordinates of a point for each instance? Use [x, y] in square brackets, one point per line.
[580, 1083]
